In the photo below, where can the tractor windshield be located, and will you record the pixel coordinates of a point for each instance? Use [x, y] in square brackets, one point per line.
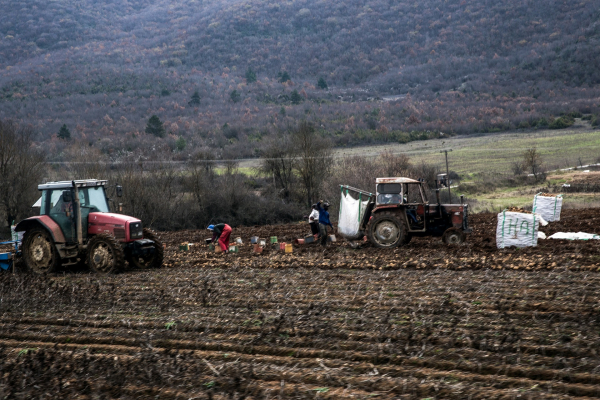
[94, 198]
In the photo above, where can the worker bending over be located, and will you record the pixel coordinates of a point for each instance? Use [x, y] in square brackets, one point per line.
[222, 233]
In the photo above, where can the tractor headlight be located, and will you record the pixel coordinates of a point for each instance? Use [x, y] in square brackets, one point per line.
[135, 230]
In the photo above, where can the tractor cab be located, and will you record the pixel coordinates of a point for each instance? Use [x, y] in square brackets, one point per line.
[399, 191]
[406, 193]
[58, 202]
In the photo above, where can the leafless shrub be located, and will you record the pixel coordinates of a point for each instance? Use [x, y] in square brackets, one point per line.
[517, 168]
[278, 162]
[21, 168]
[314, 159]
[532, 160]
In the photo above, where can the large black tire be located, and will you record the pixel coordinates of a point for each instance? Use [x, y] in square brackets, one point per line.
[453, 237]
[387, 230]
[152, 261]
[39, 251]
[105, 254]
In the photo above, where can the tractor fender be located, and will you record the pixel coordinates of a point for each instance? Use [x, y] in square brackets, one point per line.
[44, 221]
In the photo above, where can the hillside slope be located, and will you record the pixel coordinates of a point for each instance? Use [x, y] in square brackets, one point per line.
[104, 64]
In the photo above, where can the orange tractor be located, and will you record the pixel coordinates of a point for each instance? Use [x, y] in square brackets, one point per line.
[75, 225]
[399, 210]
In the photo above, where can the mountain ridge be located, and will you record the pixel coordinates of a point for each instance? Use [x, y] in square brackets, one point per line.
[87, 60]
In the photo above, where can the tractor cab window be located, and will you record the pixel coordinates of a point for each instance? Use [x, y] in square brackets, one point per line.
[412, 193]
[94, 199]
[58, 205]
[61, 210]
[44, 205]
[389, 193]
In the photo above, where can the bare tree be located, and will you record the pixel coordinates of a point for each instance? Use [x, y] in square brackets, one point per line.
[200, 178]
[85, 162]
[314, 158]
[152, 192]
[278, 160]
[517, 168]
[21, 169]
[532, 160]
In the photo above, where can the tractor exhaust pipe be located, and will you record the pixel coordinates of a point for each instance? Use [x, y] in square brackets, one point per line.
[78, 208]
[437, 196]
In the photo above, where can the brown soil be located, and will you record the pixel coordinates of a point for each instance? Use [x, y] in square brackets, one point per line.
[421, 321]
[420, 253]
[586, 177]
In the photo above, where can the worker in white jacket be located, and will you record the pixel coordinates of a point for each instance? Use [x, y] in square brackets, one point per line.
[313, 220]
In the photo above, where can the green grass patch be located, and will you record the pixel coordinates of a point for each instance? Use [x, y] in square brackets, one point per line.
[248, 170]
[494, 153]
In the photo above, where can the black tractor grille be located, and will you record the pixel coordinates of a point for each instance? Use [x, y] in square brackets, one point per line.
[119, 233]
[135, 230]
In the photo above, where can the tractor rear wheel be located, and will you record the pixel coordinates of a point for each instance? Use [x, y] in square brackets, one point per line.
[453, 236]
[387, 230]
[39, 251]
[154, 260]
[105, 254]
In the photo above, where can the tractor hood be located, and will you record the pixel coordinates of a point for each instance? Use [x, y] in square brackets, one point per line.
[110, 218]
[122, 227]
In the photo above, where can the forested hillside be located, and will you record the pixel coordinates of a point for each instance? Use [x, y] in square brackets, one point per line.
[224, 76]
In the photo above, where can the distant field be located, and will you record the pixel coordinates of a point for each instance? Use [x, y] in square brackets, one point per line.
[489, 153]
[494, 153]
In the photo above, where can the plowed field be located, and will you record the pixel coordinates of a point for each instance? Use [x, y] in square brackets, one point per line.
[423, 321]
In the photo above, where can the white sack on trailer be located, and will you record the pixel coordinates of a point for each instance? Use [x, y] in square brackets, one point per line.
[351, 211]
[548, 207]
[517, 229]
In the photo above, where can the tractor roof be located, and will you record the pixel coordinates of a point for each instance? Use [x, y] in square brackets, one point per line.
[69, 184]
[396, 180]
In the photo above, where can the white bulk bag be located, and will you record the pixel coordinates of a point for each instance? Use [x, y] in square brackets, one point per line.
[517, 229]
[351, 212]
[548, 207]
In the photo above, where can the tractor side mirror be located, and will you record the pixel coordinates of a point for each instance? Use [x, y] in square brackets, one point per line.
[119, 191]
[67, 198]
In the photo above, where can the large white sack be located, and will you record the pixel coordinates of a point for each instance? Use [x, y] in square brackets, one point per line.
[351, 211]
[548, 207]
[517, 229]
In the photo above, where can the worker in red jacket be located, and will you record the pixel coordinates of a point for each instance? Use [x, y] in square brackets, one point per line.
[222, 233]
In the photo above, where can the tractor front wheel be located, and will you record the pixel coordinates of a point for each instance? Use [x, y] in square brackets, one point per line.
[453, 237]
[39, 251]
[153, 260]
[387, 230]
[105, 254]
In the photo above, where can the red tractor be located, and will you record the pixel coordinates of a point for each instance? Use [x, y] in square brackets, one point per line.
[400, 210]
[75, 224]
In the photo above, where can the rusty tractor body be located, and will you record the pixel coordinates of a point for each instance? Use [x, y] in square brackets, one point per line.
[400, 210]
[75, 225]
